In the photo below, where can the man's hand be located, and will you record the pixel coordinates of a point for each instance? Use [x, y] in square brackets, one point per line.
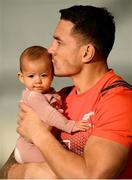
[29, 124]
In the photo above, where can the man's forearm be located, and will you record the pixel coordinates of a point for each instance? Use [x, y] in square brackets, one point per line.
[4, 170]
[64, 164]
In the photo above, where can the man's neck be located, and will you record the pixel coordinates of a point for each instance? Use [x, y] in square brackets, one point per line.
[89, 76]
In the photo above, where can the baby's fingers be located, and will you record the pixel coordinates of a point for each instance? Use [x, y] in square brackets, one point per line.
[83, 126]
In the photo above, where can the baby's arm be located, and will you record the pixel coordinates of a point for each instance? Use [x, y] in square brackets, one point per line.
[50, 115]
[26, 151]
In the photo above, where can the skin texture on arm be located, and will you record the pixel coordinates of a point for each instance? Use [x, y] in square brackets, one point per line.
[102, 158]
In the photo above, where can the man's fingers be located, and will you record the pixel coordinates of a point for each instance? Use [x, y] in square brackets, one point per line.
[18, 129]
[24, 107]
[20, 114]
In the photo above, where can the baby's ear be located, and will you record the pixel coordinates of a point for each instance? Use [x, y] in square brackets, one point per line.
[20, 77]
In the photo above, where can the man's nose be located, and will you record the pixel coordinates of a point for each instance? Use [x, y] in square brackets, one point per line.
[51, 49]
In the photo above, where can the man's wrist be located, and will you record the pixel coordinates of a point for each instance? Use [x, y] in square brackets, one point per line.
[41, 134]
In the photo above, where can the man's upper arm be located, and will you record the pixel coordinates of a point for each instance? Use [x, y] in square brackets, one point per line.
[4, 170]
[104, 158]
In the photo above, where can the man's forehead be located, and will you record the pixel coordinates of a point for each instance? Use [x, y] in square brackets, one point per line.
[64, 26]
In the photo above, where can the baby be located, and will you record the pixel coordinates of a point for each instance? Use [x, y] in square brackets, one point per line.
[36, 73]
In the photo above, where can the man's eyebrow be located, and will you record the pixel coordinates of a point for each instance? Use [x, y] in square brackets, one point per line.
[57, 38]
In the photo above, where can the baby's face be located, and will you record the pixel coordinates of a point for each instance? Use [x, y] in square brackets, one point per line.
[37, 75]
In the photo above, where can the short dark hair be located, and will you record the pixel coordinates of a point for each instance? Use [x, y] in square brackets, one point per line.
[93, 23]
[34, 53]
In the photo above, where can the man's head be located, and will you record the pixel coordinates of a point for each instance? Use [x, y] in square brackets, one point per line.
[82, 41]
[36, 69]
[93, 24]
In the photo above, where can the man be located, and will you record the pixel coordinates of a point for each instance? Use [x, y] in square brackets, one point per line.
[82, 42]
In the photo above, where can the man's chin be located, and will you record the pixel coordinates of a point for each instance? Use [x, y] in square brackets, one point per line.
[60, 75]
[57, 74]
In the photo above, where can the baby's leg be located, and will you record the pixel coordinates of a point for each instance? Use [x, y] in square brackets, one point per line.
[26, 152]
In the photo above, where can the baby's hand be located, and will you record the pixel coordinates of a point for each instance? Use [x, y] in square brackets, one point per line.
[80, 126]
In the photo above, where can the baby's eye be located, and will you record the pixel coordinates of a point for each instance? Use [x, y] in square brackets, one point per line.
[43, 75]
[31, 76]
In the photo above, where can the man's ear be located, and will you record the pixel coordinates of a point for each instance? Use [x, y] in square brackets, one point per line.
[20, 77]
[88, 53]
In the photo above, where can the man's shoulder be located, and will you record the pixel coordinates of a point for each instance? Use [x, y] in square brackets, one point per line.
[65, 91]
[117, 97]
[117, 86]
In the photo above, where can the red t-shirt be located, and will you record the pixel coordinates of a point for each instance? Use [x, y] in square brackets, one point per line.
[108, 113]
